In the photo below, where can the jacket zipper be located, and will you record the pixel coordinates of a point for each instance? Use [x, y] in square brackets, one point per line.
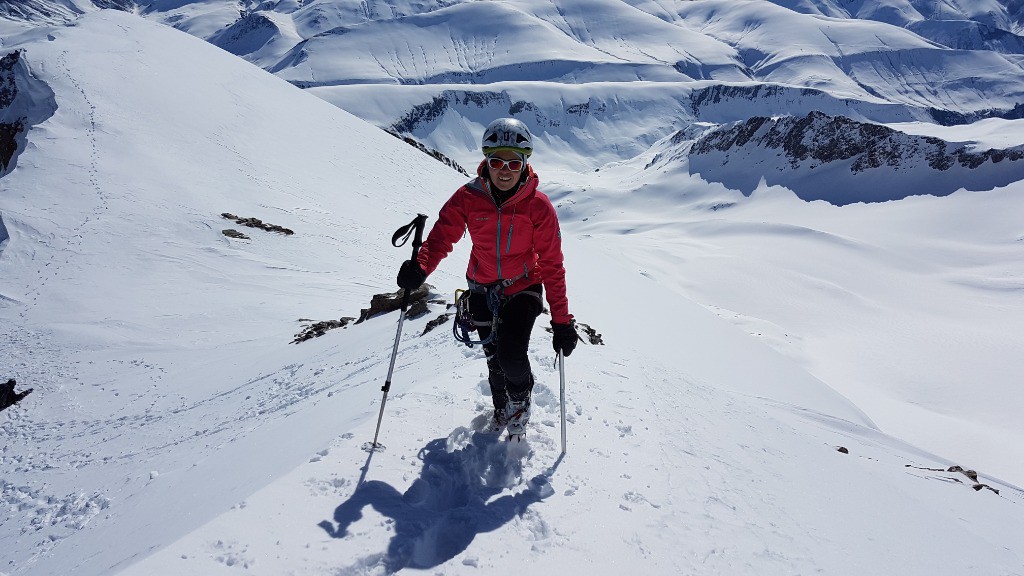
[508, 241]
[498, 241]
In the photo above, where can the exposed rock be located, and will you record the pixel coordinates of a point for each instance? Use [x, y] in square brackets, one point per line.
[826, 139]
[257, 223]
[589, 336]
[977, 486]
[8, 85]
[391, 301]
[834, 158]
[8, 92]
[969, 473]
[318, 329]
[590, 333]
[430, 152]
[122, 5]
[24, 102]
[719, 93]
[423, 114]
[55, 12]
[8, 141]
[427, 112]
[232, 233]
[440, 320]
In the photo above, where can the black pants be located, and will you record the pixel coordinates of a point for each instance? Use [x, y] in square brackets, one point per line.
[508, 363]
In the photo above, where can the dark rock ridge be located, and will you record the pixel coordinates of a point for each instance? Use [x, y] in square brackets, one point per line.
[257, 223]
[466, 103]
[427, 112]
[232, 233]
[722, 92]
[423, 114]
[8, 86]
[723, 103]
[318, 329]
[10, 129]
[430, 152]
[825, 139]
[24, 102]
[834, 158]
[50, 12]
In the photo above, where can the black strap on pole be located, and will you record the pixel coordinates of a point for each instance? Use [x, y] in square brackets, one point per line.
[413, 229]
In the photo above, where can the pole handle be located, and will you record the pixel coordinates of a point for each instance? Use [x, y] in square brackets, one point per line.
[413, 229]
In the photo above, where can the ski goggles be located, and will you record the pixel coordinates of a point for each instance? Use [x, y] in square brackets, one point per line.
[495, 163]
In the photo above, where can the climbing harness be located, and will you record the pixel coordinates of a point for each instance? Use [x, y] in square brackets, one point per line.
[495, 294]
[464, 322]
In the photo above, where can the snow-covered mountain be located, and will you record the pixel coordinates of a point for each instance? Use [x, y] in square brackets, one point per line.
[822, 157]
[610, 63]
[749, 333]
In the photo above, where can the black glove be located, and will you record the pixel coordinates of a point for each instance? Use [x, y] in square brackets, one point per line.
[410, 275]
[565, 338]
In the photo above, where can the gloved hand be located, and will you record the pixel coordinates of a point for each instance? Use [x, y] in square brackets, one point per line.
[410, 275]
[565, 337]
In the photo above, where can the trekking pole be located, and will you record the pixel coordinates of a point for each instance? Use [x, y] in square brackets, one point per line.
[414, 229]
[561, 375]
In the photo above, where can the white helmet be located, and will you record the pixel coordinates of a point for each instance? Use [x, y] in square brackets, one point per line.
[507, 134]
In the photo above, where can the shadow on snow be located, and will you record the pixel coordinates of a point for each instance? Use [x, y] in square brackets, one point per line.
[449, 504]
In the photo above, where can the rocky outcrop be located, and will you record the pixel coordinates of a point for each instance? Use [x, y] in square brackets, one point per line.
[34, 12]
[257, 223]
[463, 102]
[427, 112]
[822, 139]
[9, 130]
[24, 102]
[430, 152]
[379, 304]
[841, 160]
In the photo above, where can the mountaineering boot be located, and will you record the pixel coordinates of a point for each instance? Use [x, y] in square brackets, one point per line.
[498, 421]
[518, 414]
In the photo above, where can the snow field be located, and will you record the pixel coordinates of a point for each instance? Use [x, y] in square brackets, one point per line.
[174, 429]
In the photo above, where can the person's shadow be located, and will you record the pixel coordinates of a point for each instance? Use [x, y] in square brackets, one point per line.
[447, 506]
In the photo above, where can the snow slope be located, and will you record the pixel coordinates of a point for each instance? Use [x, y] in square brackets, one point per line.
[174, 429]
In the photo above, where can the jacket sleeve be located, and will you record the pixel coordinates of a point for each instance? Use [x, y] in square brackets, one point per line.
[547, 241]
[449, 228]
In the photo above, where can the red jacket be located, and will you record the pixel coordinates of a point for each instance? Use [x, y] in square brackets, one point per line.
[519, 237]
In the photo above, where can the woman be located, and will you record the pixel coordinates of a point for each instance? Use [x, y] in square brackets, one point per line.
[516, 256]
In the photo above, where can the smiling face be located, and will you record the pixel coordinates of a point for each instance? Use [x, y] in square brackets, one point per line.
[500, 165]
